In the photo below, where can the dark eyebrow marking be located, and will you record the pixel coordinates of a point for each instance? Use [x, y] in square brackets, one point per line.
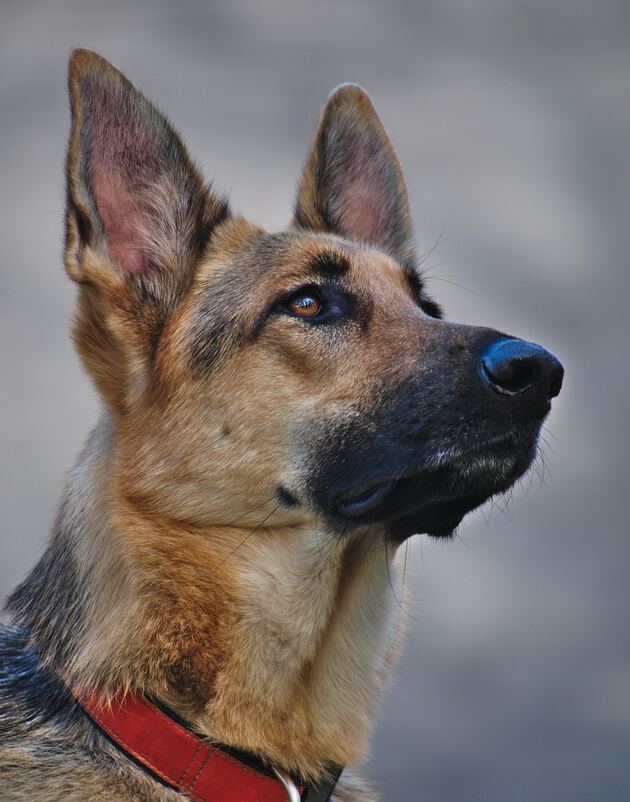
[414, 279]
[329, 265]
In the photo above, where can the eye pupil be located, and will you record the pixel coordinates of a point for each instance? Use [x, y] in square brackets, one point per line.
[305, 305]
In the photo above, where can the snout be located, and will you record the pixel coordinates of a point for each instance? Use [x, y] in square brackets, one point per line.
[522, 372]
[460, 428]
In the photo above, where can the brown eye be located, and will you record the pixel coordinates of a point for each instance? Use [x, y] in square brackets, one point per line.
[304, 304]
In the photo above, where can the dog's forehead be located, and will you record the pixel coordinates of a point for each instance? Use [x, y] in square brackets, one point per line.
[246, 258]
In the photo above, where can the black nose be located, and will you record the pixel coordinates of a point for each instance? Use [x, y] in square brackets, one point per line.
[514, 367]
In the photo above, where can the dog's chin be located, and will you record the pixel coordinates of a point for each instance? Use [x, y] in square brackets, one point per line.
[438, 520]
[432, 499]
[404, 510]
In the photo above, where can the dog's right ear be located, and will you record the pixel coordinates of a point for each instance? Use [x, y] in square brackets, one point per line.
[139, 216]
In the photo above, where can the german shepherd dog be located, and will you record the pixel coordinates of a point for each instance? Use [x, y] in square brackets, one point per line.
[280, 412]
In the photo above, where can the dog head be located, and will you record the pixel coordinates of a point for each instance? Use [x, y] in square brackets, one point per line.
[303, 374]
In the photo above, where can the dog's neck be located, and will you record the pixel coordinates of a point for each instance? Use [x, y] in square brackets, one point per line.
[281, 647]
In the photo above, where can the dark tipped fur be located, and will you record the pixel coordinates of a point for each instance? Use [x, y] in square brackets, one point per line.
[330, 265]
[225, 542]
[57, 620]
[31, 689]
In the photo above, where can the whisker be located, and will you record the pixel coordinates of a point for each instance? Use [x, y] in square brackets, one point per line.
[402, 607]
[404, 574]
[536, 467]
[319, 545]
[255, 529]
[460, 539]
[429, 253]
[402, 587]
[429, 277]
[424, 572]
[237, 521]
[506, 497]
[530, 474]
[550, 433]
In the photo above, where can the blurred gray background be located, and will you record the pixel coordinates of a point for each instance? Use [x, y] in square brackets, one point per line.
[512, 121]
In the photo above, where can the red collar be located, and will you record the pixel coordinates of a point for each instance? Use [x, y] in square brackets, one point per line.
[186, 762]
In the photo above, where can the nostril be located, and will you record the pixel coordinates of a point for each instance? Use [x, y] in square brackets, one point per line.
[510, 376]
[556, 381]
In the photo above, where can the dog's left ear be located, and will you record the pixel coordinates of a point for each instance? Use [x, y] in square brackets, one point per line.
[352, 184]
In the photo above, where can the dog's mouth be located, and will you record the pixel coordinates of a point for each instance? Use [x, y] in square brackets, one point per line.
[356, 503]
[406, 508]
[435, 497]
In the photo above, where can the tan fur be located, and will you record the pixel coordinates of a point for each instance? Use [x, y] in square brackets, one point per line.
[283, 635]
[183, 574]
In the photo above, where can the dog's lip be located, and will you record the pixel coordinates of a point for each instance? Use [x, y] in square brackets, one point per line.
[365, 500]
[362, 500]
[434, 490]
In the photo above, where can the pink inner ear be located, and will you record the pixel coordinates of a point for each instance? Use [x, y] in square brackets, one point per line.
[124, 224]
[363, 211]
[124, 151]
